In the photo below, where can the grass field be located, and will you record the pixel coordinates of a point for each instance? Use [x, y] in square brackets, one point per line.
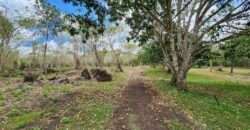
[232, 91]
[79, 105]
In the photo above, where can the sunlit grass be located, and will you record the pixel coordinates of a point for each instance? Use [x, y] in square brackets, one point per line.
[233, 95]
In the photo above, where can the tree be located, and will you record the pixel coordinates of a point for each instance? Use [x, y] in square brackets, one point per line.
[6, 33]
[150, 54]
[90, 21]
[10, 37]
[98, 49]
[113, 36]
[236, 49]
[180, 26]
[48, 24]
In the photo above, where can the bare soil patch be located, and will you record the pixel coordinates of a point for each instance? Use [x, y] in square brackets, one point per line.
[139, 99]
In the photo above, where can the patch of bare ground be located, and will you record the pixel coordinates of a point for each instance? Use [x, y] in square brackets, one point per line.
[140, 99]
[56, 110]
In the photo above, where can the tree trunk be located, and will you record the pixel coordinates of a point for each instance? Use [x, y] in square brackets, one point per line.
[44, 57]
[221, 67]
[232, 69]
[211, 65]
[99, 63]
[178, 80]
[76, 61]
[119, 68]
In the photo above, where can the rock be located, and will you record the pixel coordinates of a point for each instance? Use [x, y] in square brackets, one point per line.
[94, 71]
[85, 74]
[102, 75]
[29, 77]
[61, 81]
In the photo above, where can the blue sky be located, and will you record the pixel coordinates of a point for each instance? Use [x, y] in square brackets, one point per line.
[66, 8]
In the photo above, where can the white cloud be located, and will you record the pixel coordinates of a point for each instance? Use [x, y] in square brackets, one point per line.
[23, 8]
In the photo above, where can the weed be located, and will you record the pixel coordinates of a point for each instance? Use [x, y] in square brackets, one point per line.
[20, 124]
[18, 92]
[14, 112]
[1, 111]
[65, 120]
[2, 103]
[1, 96]
[64, 89]
[45, 92]
[20, 121]
[37, 128]
[55, 99]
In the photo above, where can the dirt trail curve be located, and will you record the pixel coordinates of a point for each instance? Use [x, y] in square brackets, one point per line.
[140, 107]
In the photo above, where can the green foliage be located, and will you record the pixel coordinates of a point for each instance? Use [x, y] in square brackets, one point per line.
[11, 73]
[1, 96]
[21, 121]
[236, 50]
[37, 128]
[55, 99]
[45, 92]
[23, 64]
[14, 112]
[49, 23]
[65, 120]
[1, 111]
[64, 89]
[150, 54]
[18, 92]
[6, 27]
[92, 18]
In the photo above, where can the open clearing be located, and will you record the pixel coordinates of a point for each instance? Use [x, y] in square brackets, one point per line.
[137, 99]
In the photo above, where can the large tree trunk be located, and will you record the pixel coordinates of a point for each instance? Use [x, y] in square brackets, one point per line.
[178, 80]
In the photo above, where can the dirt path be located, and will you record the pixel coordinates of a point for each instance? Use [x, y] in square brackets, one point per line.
[141, 108]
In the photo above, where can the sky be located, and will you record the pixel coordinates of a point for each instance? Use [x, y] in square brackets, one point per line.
[25, 8]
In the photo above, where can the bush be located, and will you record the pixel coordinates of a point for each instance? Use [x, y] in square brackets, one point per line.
[11, 73]
[23, 64]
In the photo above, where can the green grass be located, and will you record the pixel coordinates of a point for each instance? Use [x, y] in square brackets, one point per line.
[35, 106]
[21, 121]
[233, 95]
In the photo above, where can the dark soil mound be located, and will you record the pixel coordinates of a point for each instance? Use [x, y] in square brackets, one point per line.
[85, 74]
[30, 77]
[102, 75]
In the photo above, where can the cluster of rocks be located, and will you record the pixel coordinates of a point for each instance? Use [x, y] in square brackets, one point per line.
[98, 74]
